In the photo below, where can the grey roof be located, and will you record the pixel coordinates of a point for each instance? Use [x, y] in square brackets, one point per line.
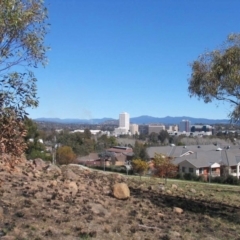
[199, 156]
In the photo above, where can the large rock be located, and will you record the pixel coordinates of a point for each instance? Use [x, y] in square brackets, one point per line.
[67, 173]
[121, 191]
[39, 164]
[53, 169]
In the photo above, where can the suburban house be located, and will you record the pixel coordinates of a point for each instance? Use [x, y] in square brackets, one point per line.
[117, 155]
[202, 159]
[90, 160]
[122, 154]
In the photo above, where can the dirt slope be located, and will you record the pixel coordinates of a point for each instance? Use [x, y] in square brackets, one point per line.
[38, 201]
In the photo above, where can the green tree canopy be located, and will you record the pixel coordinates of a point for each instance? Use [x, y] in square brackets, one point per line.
[216, 75]
[163, 136]
[140, 151]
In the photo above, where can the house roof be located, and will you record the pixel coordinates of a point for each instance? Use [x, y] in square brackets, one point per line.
[200, 155]
[90, 157]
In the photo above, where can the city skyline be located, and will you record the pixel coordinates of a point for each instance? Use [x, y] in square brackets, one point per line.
[113, 56]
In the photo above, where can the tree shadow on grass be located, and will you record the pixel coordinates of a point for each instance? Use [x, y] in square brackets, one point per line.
[192, 204]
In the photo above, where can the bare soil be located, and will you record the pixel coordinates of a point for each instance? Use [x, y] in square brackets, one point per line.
[42, 202]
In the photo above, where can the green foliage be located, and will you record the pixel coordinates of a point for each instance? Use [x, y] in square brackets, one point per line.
[216, 75]
[104, 142]
[35, 149]
[163, 136]
[140, 151]
[153, 137]
[22, 31]
[232, 180]
[139, 166]
[65, 155]
[81, 146]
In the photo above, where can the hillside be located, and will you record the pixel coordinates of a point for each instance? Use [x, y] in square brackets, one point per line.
[40, 201]
[137, 120]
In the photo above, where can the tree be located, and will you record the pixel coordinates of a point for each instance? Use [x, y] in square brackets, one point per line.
[164, 166]
[216, 75]
[140, 151]
[153, 137]
[22, 30]
[163, 136]
[65, 155]
[35, 148]
[139, 166]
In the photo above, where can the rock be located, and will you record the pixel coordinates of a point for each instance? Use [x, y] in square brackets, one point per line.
[53, 169]
[99, 209]
[180, 190]
[193, 190]
[121, 191]
[161, 215]
[39, 164]
[202, 194]
[161, 188]
[174, 186]
[150, 188]
[169, 192]
[69, 174]
[73, 188]
[174, 234]
[178, 210]
[53, 183]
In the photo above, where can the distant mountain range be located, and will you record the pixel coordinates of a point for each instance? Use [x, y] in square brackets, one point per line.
[137, 120]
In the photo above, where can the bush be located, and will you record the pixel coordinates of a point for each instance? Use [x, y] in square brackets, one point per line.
[180, 176]
[232, 180]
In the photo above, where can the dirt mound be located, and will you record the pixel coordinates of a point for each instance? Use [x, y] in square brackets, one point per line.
[40, 201]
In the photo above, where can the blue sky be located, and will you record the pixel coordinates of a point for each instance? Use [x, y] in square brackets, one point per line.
[110, 56]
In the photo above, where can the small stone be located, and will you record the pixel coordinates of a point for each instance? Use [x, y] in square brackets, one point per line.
[169, 192]
[174, 186]
[161, 215]
[178, 210]
[193, 190]
[202, 194]
[150, 188]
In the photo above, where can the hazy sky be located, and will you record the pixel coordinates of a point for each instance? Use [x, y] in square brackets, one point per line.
[110, 56]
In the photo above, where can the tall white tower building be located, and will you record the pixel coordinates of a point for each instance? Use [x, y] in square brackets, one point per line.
[124, 121]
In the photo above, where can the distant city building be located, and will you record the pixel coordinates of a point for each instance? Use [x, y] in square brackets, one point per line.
[201, 128]
[134, 129]
[124, 124]
[143, 129]
[155, 128]
[173, 128]
[93, 132]
[184, 126]
[124, 120]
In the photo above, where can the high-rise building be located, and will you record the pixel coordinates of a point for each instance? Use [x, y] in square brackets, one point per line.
[155, 128]
[184, 126]
[124, 120]
[124, 123]
[134, 129]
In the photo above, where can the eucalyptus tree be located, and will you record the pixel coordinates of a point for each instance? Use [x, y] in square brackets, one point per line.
[23, 26]
[216, 75]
